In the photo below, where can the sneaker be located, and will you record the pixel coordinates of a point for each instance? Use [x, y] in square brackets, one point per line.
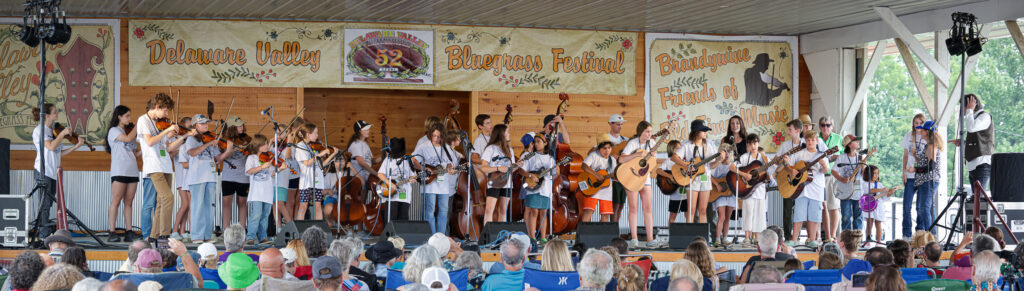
[790, 243]
[250, 242]
[812, 244]
[113, 237]
[176, 236]
[266, 241]
[186, 236]
[634, 244]
[198, 241]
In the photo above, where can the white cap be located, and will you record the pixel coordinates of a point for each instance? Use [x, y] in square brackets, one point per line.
[440, 242]
[435, 278]
[151, 286]
[616, 118]
[207, 249]
[523, 238]
[289, 255]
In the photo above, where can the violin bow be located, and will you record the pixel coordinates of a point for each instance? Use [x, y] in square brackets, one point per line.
[220, 127]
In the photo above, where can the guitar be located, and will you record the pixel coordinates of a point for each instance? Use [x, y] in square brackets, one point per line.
[617, 149]
[475, 157]
[633, 174]
[791, 186]
[541, 175]
[684, 173]
[498, 179]
[590, 184]
[758, 174]
[386, 187]
[845, 190]
[869, 202]
[667, 185]
[432, 172]
[722, 189]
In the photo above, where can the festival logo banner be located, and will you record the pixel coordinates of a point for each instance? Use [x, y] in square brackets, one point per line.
[80, 81]
[234, 53]
[389, 56]
[716, 77]
[536, 60]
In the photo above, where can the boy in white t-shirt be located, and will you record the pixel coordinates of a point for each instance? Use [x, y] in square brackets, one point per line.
[156, 145]
[807, 208]
[261, 189]
[601, 201]
[675, 202]
[755, 209]
[202, 158]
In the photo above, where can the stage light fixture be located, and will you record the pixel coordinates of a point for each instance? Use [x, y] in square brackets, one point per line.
[28, 36]
[964, 36]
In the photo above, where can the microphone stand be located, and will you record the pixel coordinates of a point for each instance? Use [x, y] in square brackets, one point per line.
[277, 154]
[471, 176]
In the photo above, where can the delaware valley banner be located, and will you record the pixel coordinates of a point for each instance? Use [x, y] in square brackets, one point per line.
[80, 81]
[716, 77]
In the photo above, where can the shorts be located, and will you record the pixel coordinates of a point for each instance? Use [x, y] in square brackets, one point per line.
[282, 194]
[230, 188]
[678, 206]
[124, 179]
[499, 192]
[317, 195]
[807, 209]
[881, 211]
[728, 201]
[755, 214]
[618, 193]
[537, 201]
[698, 185]
[293, 184]
[330, 200]
[831, 202]
[604, 207]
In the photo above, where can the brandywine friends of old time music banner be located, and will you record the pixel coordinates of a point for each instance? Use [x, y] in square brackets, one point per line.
[716, 77]
[320, 54]
[79, 81]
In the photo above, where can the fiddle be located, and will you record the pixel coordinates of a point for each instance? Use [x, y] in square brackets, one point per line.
[72, 137]
[129, 127]
[242, 139]
[164, 123]
[268, 157]
[320, 147]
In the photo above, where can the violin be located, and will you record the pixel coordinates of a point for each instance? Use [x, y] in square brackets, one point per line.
[242, 140]
[129, 127]
[164, 123]
[268, 157]
[320, 147]
[72, 137]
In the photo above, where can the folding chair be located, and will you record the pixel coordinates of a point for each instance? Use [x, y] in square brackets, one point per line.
[548, 280]
[911, 275]
[170, 280]
[939, 285]
[855, 266]
[768, 287]
[818, 280]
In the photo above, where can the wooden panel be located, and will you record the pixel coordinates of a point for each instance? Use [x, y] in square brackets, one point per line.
[805, 87]
[405, 110]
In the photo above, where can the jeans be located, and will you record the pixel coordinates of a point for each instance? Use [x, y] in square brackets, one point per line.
[42, 222]
[851, 214]
[258, 213]
[981, 173]
[148, 206]
[908, 203]
[437, 223]
[201, 209]
[925, 211]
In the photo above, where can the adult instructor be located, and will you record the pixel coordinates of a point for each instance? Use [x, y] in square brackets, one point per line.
[979, 143]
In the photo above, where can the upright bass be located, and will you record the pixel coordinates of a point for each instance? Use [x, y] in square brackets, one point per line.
[566, 203]
[376, 208]
[467, 215]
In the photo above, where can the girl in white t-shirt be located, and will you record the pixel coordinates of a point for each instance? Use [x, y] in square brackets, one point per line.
[755, 212]
[675, 200]
[311, 181]
[636, 148]
[180, 174]
[202, 177]
[599, 160]
[261, 189]
[436, 194]
[698, 147]
[362, 156]
[537, 201]
[498, 157]
[398, 170]
[124, 170]
[53, 151]
[870, 186]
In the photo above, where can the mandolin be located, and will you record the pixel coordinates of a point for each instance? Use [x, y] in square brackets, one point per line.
[791, 186]
[633, 174]
[497, 179]
[684, 173]
[758, 174]
[540, 175]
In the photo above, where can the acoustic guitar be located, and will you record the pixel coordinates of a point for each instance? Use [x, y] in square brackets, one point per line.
[386, 187]
[633, 174]
[541, 175]
[432, 172]
[758, 172]
[667, 185]
[498, 179]
[720, 189]
[617, 149]
[791, 186]
[590, 184]
[684, 173]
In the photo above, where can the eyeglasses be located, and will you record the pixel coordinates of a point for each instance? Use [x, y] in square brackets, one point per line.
[825, 125]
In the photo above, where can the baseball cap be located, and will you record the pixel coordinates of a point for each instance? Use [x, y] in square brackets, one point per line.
[361, 125]
[440, 242]
[234, 121]
[698, 125]
[238, 271]
[436, 278]
[151, 286]
[149, 258]
[199, 118]
[289, 255]
[207, 249]
[326, 267]
[616, 118]
[927, 125]
[850, 138]
[548, 119]
[528, 139]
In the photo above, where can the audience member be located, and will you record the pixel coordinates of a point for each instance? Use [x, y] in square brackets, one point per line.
[829, 261]
[151, 286]
[440, 242]
[436, 278]
[24, 271]
[885, 278]
[238, 271]
[986, 266]
[303, 264]
[831, 247]
[344, 251]
[60, 276]
[271, 265]
[556, 257]
[683, 284]
[499, 267]
[316, 242]
[793, 265]
[149, 261]
[474, 265]
[513, 254]
[382, 255]
[684, 268]
[767, 246]
[299, 247]
[88, 284]
[595, 270]
[901, 253]
[400, 245]
[997, 234]
[290, 265]
[169, 258]
[879, 256]
[75, 256]
[932, 256]
[234, 242]
[616, 260]
[764, 275]
[784, 252]
[208, 256]
[699, 253]
[58, 242]
[919, 240]
[620, 245]
[849, 242]
[120, 285]
[421, 258]
[631, 279]
[133, 254]
[327, 273]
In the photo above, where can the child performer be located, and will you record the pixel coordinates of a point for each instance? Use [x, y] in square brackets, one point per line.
[261, 189]
[870, 186]
[537, 201]
[599, 160]
[755, 207]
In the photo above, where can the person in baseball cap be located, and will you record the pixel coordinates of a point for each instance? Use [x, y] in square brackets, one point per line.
[199, 118]
[238, 271]
[436, 278]
[615, 128]
[234, 120]
[850, 138]
[149, 261]
[698, 125]
[327, 273]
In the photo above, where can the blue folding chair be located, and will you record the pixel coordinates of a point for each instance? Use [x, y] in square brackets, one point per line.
[170, 280]
[808, 265]
[458, 277]
[394, 280]
[855, 266]
[911, 275]
[815, 280]
[102, 276]
[548, 280]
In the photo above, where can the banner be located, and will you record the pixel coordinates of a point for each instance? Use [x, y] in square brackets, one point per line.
[716, 77]
[81, 80]
[234, 53]
[536, 60]
[389, 56]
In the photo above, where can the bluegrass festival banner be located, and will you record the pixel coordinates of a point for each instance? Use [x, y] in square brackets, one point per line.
[715, 77]
[234, 53]
[81, 81]
[360, 55]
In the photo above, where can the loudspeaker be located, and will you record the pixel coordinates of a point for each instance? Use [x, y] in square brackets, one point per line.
[5, 166]
[682, 234]
[293, 230]
[596, 234]
[413, 232]
[491, 230]
[1007, 180]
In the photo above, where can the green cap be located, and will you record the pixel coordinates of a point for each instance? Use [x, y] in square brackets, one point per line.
[238, 271]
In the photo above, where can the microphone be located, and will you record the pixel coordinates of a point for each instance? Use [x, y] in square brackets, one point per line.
[267, 111]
